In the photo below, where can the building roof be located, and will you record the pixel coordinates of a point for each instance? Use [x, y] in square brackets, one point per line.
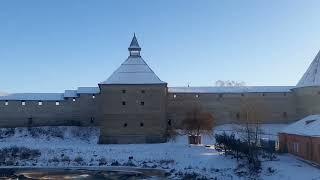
[70, 93]
[308, 126]
[33, 96]
[134, 70]
[134, 45]
[312, 76]
[88, 90]
[240, 89]
[50, 96]
[3, 93]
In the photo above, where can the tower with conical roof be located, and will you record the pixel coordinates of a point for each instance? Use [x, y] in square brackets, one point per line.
[133, 102]
[134, 70]
[307, 90]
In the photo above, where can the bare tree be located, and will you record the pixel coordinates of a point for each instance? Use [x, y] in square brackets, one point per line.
[198, 122]
[252, 112]
[229, 83]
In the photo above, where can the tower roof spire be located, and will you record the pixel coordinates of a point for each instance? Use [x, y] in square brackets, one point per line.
[312, 76]
[134, 45]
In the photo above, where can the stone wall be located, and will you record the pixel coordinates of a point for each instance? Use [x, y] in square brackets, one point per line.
[277, 107]
[307, 100]
[134, 122]
[68, 112]
[132, 113]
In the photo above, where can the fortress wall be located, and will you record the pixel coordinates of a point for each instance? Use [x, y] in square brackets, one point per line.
[307, 100]
[277, 107]
[85, 109]
[48, 114]
[114, 115]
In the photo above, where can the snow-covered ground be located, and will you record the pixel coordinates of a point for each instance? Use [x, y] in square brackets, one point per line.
[75, 146]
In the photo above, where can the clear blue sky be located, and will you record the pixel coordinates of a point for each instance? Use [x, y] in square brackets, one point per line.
[50, 46]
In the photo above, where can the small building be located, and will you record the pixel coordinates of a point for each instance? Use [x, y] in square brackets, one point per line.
[302, 138]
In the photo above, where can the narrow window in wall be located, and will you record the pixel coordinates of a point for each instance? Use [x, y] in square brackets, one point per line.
[143, 91]
[6, 103]
[40, 103]
[93, 96]
[57, 103]
[284, 114]
[142, 103]
[169, 122]
[174, 96]
[23, 103]
[92, 120]
[30, 121]
[123, 103]
[238, 116]
[125, 125]
[141, 124]
[74, 99]
[123, 91]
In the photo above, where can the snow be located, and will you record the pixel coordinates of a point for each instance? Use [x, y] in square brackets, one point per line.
[308, 126]
[33, 96]
[88, 90]
[133, 71]
[312, 76]
[50, 96]
[70, 93]
[176, 156]
[136, 71]
[240, 89]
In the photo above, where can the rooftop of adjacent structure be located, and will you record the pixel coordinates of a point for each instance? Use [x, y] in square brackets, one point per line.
[308, 126]
[96, 90]
[50, 96]
[233, 89]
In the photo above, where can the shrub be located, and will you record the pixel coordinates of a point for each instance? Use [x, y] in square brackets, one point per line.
[65, 159]
[115, 163]
[78, 159]
[239, 149]
[41, 131]
[82, 133]
[102, 161]
[55, 160]
[6, 132]
[18, 153]
[166, 161]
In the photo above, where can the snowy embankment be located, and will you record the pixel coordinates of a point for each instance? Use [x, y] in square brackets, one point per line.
[77, 146]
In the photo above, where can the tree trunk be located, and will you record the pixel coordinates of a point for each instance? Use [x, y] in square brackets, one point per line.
[194, 139]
